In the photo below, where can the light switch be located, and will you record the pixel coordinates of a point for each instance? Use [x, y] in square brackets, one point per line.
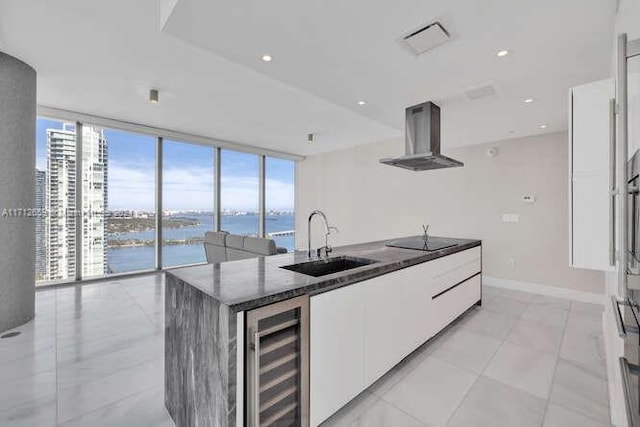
[510, 218]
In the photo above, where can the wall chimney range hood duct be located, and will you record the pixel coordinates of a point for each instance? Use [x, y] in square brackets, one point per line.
[422, 141]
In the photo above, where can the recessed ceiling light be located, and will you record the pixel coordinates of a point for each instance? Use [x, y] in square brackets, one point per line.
[543, 126]
[502, 53]
[362, 102]
[266, 58]
[528, 100]
[154, 96]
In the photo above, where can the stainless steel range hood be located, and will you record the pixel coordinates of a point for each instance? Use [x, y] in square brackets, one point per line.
[422, 141]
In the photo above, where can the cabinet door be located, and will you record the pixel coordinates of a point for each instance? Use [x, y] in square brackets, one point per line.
[590, 126]
[417, 305]
[387, 337]
[590, 224]
[337, 349]
[589, 145]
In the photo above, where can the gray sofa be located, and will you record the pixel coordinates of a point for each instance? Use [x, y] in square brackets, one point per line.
[222, 246]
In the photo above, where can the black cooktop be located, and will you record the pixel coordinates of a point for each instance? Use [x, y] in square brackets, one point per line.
[420, 244]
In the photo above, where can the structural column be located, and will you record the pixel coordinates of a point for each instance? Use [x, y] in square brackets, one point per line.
[17, 191]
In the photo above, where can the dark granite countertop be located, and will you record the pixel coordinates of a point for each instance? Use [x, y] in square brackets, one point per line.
[246, 284]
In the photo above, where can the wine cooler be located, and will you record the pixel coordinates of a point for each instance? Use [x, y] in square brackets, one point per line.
[277, 364]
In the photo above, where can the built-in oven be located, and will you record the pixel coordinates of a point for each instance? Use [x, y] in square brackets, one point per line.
[633, 216]
[628, 309]
[627, 134]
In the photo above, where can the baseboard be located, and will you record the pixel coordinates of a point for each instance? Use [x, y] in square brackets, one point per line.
[550, 291]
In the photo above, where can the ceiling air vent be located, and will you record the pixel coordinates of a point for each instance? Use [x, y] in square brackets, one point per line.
[481, 91]
[426, 38]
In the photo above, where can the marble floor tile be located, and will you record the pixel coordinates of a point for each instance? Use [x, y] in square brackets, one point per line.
[594, 310]
[517, 295]
[489, 323]
[22, 391]
[586, 349]
[506, 305]
[468, 350]
[87, 397]
[432, 391]
[378, 414]
[549, 314]
[352, 411]
[93, 356]
[21, 347]
[523, 368]
[37, 412]
[547, 301]
[558, 416]
[108, 363]
[491, 290]
[145, 409]
[25, 367]
[538, 336]
[79, 349]
[492, 404]
[580, 390]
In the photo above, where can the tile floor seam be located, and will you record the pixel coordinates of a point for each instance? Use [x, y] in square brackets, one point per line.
[155, 276]
[132, 367]
[106, 404]
[555, 368]
[575, 410]
[473, 384]
[115, 402]
[401, 410]
[413, 416]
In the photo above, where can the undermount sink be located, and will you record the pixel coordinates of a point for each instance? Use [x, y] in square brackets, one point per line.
[322, 267]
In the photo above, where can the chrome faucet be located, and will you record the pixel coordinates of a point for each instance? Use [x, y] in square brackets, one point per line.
[327, 229]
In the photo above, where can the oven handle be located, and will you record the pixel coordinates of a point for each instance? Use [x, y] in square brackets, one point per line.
[630, 396]
[612, 182]
[618, 315]
[623, 329]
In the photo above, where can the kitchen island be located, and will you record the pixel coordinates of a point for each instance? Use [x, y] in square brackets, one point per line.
[206, 309]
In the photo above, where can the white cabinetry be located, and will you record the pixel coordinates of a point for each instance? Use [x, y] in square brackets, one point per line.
[336, 349]
[589, 201]
[360, 331]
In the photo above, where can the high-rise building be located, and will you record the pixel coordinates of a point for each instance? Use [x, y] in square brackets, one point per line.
[41, 249]
[61, 184]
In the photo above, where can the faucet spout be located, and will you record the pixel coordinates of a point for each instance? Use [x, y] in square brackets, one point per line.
[326, 228]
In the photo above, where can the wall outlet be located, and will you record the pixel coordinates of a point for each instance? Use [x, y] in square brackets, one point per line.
[527, 198]
[510, 218]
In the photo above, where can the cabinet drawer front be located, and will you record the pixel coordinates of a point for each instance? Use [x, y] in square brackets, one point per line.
[453, 269]
[456, 301]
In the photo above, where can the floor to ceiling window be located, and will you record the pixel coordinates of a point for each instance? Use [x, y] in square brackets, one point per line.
[95, 201]
[187, 201]
[239, 192]
[279, 201]
[118, 201]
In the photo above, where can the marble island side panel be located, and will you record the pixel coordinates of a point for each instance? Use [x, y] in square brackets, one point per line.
[200, 357]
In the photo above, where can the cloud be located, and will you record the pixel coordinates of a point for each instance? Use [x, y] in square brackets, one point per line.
[186, 189]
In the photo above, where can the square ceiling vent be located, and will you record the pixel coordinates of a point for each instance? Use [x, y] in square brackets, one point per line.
[425, 39]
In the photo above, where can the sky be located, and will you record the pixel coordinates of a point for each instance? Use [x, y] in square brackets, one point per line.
[187, 174]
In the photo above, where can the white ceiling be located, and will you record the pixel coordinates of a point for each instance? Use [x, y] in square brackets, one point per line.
[204, 55]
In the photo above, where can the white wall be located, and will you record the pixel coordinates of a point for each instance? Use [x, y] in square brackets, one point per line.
[369, 201]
